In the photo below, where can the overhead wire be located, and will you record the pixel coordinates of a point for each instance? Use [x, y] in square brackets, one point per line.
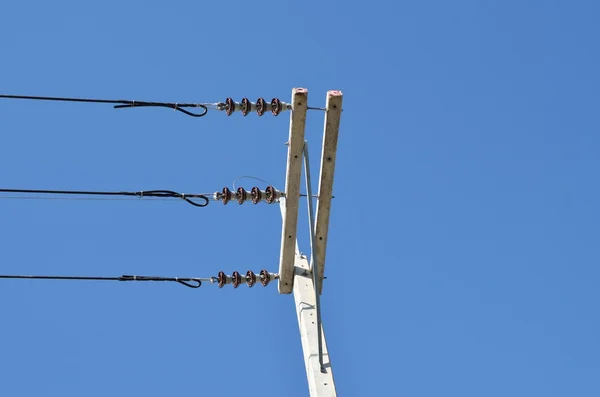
[187, 197]
[191, 282]
[81, 198]
[125, 103]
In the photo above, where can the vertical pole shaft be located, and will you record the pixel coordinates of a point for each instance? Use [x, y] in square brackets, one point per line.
[313, 256]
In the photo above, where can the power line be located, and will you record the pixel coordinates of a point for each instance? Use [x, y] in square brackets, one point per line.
[149, 193]
[192, 282]
[79, 198]
[124, 103]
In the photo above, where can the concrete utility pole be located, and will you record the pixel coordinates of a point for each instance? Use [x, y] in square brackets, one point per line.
[296, 273]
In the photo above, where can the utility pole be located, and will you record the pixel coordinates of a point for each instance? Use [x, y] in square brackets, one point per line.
[299, 274]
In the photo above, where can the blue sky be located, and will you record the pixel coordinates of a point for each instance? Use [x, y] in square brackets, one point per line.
[463, 249]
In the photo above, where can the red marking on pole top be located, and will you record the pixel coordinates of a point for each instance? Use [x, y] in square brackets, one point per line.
[300, 90]
[335, 93]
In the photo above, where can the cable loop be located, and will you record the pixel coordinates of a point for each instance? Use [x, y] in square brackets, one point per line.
[198, 204]
[188, 283]
[173, 106]
[183, 196]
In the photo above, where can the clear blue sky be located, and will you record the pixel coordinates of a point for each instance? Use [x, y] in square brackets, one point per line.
[463, 255]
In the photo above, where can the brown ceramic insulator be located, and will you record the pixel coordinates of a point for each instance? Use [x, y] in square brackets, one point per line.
[261, 106]
[256, 195]
[250, 278]
[241, 195]
[221, 279]
[229, 106]
[276, 106]
[236, 279]
[271, 194]
[226, 195]
[265, 277]
[246, 106]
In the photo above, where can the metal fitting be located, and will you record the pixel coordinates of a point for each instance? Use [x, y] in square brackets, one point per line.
[226, 195]
[231, 106]
[250, 278]
[262, 106]
[223, 279]
[237, 279]
[272, 195]
[247, 106]
[241, 195]
[257, 195]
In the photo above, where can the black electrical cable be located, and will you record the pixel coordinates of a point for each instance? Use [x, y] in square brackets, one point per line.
[149, 193]
[192, 282]
[120, 103]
